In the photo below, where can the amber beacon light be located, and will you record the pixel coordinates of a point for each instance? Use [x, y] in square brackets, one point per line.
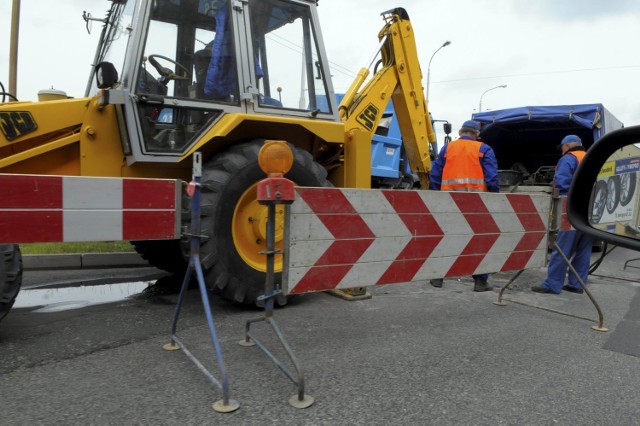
[275, 158]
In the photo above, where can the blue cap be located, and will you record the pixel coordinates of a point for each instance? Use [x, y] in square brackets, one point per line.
[471, 124]
[569, 139]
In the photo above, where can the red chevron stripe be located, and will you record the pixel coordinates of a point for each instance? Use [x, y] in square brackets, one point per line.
[400, 271]
[342, 252]
[420, 223]
[526, 211]
[326, 200]
[565, 225]
[534, 228]
[484, 227]
[406, 201]
[321, 278]
[480, 244]
[465, 265]
[523, 251]
[346, 226]
[353, 238]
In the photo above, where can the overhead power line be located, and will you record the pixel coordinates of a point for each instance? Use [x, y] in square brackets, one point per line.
[538, 73]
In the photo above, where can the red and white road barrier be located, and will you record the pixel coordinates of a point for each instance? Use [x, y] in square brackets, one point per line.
[343, 238]
[563, 223]
[36, 208]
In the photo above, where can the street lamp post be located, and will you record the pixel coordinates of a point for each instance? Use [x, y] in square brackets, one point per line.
[445, 44]
[502, 86]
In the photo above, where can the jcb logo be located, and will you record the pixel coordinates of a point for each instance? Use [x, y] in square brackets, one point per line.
[368, 117]
[16, 123]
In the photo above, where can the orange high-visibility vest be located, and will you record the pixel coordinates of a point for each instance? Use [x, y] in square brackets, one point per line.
[578, 154]
[462, 170]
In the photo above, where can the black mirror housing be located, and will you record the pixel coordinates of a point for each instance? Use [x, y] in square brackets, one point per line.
[106, 75]
[586, 176]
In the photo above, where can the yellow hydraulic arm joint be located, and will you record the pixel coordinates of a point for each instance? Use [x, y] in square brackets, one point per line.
[397, 77]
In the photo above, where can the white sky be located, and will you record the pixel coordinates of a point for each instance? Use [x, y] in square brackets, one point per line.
[548, 52]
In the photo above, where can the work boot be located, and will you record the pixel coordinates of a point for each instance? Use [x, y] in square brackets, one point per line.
[481, 285]
[437, 282]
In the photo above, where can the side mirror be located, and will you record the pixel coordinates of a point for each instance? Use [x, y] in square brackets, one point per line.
[106, 75]
[447, 128]
[603, 200]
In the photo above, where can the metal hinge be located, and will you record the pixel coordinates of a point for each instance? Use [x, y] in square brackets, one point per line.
[249, 94]
[238, 5]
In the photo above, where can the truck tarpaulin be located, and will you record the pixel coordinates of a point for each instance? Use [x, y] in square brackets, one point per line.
[526, 138]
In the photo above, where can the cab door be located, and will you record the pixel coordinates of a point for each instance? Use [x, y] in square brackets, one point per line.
[287, 72]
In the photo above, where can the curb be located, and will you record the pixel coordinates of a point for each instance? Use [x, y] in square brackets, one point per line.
[82, 261]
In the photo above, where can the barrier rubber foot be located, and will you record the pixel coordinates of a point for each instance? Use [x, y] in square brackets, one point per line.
[245, 342]
[598, 328]
[352, 294]
[306, 402]
[220, 407]
[500, 303]
[171, 347]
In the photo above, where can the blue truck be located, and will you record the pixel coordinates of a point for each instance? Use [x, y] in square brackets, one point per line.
[389, 164]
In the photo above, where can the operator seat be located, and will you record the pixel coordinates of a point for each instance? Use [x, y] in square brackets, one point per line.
[215, 66]
[220, 81]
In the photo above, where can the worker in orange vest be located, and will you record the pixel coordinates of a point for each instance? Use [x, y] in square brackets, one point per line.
[466, 164]
[574, 244]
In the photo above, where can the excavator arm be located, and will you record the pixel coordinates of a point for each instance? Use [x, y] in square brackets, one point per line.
[397, 77]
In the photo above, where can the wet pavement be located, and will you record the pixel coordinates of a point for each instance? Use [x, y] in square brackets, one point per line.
[412, 354]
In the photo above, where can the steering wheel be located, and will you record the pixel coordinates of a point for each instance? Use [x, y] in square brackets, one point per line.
[166, 73]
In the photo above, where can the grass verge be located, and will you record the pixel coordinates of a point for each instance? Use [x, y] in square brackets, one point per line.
[84, 247]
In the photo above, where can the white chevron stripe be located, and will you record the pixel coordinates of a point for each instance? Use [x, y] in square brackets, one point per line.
[364, 274]
[451, 245]
[368, 201]
[435, 267]
[384, 249]
[385, 224]
[307, 253]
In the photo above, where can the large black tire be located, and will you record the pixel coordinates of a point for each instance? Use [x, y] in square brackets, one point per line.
[225, 179]
[10, 276]
[597, 202]
[628, 186]
[613, 193]
[163, 254]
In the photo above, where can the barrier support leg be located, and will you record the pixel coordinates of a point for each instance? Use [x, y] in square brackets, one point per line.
[600, 326]
[272, 290]
[500, 301]
[225, 405]
[351, 294]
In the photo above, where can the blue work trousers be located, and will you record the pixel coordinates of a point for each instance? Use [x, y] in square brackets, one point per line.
[576, 246]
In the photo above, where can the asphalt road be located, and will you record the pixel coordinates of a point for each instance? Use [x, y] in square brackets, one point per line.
[412, 354]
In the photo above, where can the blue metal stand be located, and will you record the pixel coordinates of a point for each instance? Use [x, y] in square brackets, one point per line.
[225, 405]
[272, 290]
[553, 232]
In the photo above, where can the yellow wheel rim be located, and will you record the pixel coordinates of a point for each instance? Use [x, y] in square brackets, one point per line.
[249, 230]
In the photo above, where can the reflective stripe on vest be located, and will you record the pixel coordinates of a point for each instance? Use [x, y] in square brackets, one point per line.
[463, 171]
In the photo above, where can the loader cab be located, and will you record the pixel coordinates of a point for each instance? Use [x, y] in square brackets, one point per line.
[188, 63]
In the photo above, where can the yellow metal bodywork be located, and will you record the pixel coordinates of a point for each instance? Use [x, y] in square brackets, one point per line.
[400, 80]
[75, 137]
[80, 137]
[83, 137]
